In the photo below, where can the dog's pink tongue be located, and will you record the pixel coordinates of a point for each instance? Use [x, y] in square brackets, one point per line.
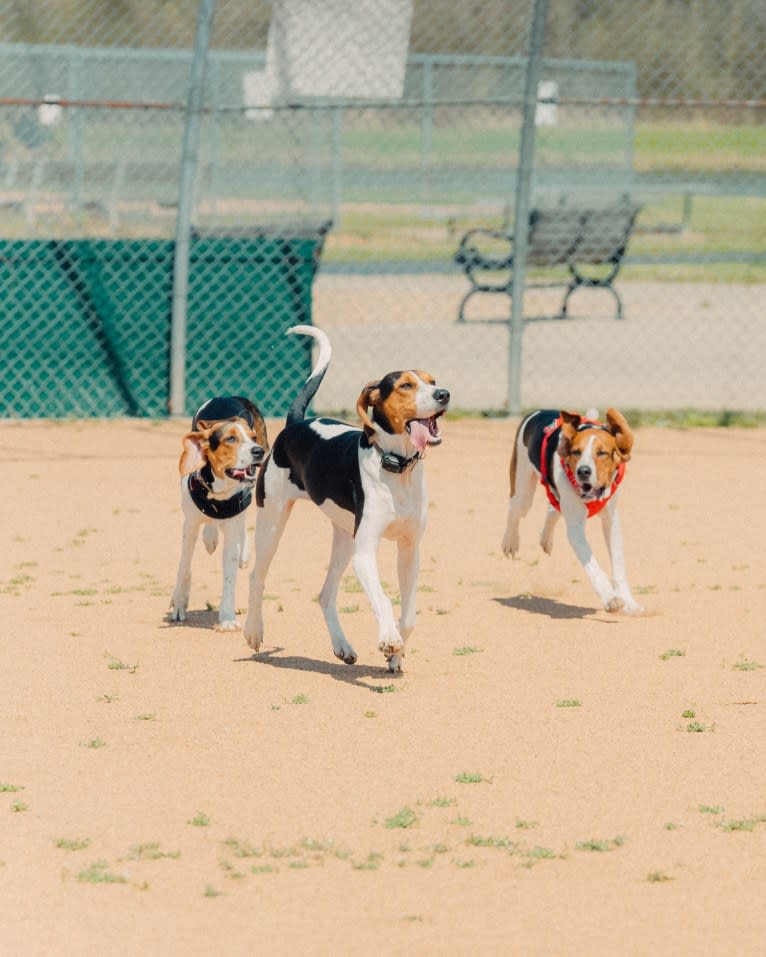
[419, 434]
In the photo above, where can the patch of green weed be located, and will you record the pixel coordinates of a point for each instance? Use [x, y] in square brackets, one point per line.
[73, 844]
[406, 817]
[746, 665]
[99, 873]
[467, 777]
[600, 846]
[442, 802]
[150, 852]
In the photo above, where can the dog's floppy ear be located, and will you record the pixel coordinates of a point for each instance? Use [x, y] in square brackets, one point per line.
[260, 433]
[369, 395]
[570, 423]
[258, 424]
[192, 457]
[620, 429]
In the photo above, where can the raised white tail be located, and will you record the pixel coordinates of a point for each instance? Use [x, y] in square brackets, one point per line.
[301, 402]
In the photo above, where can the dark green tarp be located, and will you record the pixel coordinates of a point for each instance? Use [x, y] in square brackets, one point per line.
[85, 323]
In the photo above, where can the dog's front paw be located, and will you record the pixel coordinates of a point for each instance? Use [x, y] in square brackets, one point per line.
[395, 664]
[614, 604]
[253, 632]
[347, 655]
[546, 541]
[230, 624]
[177, 610]
[631, 607]
[391, 644]
[510, 544]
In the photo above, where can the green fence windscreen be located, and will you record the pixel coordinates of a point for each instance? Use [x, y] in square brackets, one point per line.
[85, 324]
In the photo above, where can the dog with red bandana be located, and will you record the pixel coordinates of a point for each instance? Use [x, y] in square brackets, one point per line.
[580, 462]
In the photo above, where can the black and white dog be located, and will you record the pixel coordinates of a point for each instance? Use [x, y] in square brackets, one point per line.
[370, 483]
[218, 469]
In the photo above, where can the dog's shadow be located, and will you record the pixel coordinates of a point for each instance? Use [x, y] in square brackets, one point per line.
[347, 674]
[537, 605]
[207, 619]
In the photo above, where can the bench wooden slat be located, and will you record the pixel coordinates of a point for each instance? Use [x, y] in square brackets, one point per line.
[553, 235]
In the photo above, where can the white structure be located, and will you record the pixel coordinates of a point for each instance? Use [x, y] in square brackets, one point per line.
[546, 114]
[338, 48]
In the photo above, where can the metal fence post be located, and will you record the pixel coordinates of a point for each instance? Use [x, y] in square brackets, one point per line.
[189, 157]
[427, 126]
[523, 193]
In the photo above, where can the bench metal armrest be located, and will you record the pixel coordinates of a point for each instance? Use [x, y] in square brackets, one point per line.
[470, 257]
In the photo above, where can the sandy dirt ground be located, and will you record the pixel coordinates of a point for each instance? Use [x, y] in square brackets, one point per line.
[545, 778]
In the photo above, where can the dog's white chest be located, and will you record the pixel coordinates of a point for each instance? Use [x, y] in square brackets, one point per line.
[404, 501]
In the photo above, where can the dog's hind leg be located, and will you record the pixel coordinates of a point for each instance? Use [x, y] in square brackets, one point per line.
[342, 549]
[523, 486]
[552, 517]
[269, 526]
[180, 600]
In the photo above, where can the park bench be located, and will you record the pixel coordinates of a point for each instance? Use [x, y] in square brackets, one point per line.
[590, 241]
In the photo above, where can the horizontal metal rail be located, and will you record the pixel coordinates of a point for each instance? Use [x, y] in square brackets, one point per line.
[402, 104]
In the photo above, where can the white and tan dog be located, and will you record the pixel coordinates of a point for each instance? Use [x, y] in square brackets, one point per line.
[218, 469]
[369, 482]
[580, 463]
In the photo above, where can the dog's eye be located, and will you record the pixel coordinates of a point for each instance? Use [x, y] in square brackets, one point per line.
[575, 453]
[232, 439]
[406, 385]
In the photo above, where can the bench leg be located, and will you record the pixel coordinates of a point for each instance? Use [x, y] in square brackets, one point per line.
[463, 303]
[570, 289]
[619, 314]
[591, 285]
[472, 292]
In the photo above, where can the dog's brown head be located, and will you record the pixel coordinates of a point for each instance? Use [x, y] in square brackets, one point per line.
[406, 404]
[594, 452]
[231, 449]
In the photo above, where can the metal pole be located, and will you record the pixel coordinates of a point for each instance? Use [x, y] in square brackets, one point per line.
[523, 194]
[337, 164]
[189, 156]
[426, 149]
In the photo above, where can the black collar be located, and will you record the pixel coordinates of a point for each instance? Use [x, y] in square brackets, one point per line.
[200, 487]
[392, 462]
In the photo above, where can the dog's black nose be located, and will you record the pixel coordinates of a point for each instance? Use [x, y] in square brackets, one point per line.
[583, 473]
[441, 395]
[257, 454]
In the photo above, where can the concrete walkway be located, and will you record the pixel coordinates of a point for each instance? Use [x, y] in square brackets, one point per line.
[681, 345]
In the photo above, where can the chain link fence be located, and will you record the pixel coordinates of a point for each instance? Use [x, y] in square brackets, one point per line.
[181, 182]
